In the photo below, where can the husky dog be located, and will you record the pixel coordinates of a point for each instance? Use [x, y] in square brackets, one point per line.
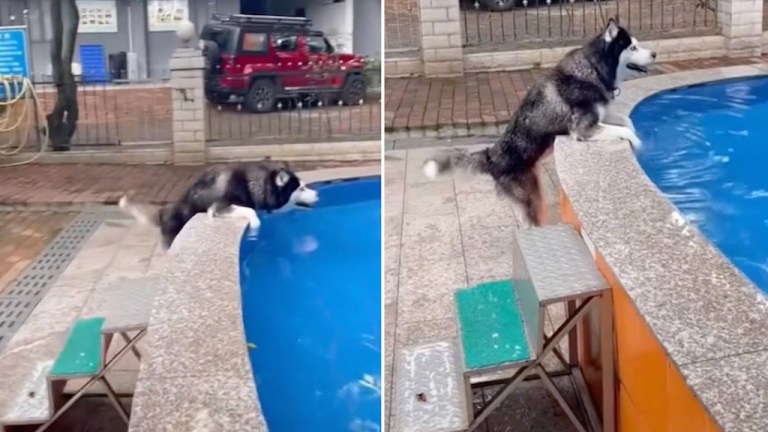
[572, 99]
[238, 191]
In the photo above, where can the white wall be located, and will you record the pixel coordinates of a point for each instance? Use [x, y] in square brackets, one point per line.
[367, 27]
[336, 20]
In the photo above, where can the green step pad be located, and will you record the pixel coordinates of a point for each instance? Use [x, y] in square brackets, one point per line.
[82, 350]
[492, 328]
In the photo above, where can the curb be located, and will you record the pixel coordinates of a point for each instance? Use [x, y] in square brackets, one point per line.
[447, 131]
[163, 155]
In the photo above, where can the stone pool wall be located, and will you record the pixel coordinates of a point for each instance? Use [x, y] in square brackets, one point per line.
[652, 393]
[196, 374]
[689, 327]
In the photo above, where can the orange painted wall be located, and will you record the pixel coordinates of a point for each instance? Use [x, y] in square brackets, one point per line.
[652, 394]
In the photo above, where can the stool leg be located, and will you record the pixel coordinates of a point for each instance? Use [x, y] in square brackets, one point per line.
[470, 398]
[115, 400]
[573, 339]
[608, 360]
[135, 350]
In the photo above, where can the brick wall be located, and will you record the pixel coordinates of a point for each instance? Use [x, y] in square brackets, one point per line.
[441, 37]
[741, 22]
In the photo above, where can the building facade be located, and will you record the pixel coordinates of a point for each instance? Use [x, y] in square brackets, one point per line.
[145, 28]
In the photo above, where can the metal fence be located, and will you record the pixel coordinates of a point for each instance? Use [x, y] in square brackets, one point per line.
[402, 34]
[110, 114]
[540, 23]
[316, 115]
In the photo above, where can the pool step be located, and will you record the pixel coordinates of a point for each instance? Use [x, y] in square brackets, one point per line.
[492, 327]
[556, 262]
[430, 395]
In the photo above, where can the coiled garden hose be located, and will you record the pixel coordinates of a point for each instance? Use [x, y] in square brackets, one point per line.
[19, 113]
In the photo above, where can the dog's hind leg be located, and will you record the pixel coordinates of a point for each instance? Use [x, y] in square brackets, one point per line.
[525, 190]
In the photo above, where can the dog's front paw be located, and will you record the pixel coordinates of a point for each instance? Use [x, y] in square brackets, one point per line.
[252, 233]
[634, 140]
[628, 123]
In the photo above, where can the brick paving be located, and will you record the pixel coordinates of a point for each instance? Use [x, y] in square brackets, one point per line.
[23, 236]
[54, 186]
[487, 98]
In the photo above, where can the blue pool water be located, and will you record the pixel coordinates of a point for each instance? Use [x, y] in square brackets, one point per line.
[311, 284]
[706, 148]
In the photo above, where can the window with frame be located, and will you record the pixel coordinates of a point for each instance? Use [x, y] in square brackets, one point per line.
[316, 44]
[285, 43]
[254, 42]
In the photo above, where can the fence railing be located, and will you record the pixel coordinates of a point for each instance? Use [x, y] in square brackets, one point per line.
[316, 114]
[122, 113]
[488, 24]
[115, 113]
[402, 34]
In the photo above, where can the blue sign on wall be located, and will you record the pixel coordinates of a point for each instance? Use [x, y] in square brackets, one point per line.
[14, 60]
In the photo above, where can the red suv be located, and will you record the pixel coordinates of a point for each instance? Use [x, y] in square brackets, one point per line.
[262, 59]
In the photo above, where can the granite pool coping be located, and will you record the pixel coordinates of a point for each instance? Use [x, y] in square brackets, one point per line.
[195, 373]
[711, 320]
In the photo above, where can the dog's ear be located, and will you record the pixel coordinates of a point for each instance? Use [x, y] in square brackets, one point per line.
[611, 29]
[282, 178]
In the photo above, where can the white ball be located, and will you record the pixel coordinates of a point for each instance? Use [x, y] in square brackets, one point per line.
[185, 31]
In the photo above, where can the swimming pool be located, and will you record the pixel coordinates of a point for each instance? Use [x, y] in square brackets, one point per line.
[706, 148]
[311, 284]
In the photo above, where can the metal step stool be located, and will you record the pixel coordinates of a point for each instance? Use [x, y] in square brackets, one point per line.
[552, 264]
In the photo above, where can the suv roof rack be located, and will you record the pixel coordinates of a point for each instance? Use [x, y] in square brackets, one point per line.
[264, 20]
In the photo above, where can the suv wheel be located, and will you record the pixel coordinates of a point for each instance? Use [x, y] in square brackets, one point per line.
[354, 90]
[261, 97]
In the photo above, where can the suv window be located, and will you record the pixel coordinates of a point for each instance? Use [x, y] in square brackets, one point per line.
[285, 43]
[255, 42]
[318, 44]
[221, 36]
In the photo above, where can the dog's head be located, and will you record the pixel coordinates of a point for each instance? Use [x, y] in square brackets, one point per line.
[632, 58]
[289, 185]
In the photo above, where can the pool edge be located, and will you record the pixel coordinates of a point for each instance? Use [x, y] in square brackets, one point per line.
[665, 273]
[203, 375]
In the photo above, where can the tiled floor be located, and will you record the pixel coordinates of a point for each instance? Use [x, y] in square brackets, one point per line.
[440, 236]
[119, 248]
[23, 236]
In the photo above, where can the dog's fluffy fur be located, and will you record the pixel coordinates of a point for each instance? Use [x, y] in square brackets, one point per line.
[240, 190]
[573, 99]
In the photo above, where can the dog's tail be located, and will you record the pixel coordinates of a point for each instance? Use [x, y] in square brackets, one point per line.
[445, 162]
[143, 213]
[169, 219]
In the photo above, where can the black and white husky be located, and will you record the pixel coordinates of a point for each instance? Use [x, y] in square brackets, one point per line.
[571, 100]
[236, 191]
